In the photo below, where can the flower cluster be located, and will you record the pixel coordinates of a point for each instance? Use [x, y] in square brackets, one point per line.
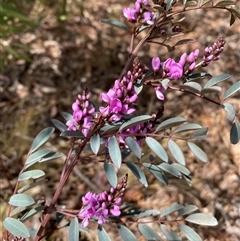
[82, 114]
[121, 97]
[138, 13]
[102, 206]
[213, 52]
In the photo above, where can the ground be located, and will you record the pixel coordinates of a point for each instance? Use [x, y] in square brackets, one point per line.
[84, 50]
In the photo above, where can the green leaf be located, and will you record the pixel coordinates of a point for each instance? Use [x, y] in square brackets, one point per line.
[170, 169]
[42, 138]
[170, 235]
[169, 4]
[232, 19]
[126, 234]
[199, 133]
[31, 212]
[61, 126]
[217, 79]
[187, 127]
[148, 213]
[203, 2]
[136, 170]
[36, 156]
[210, 90]
[102, 234]
[171, 209]
[225, 3]
[111, 174]
[191, 86]
[67, 116]
[184, 41]
[73, 234]
[95, 143]
[190, 4]
[182, 169]
[21, 199]
[202, 219]
[135, 121]
[186, 210]
[175, 121]
[16, 227]
[176, 152]
[230, 111]
[51, 156]
[31, 185]
[198, 152]
[109, 129]
[134, 147]
[114, 151]
[197, 76]
[157, 148]
[156, 172]
[116, 23]
[233, 89]
[148, 232]
[189, 233]
[31, 174]
[235, 133]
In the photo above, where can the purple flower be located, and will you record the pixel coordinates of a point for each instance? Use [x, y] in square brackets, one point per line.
[147, 17]
[156, 64]
[176, 70]
[131, 14]
[102, 206]
[159, 92]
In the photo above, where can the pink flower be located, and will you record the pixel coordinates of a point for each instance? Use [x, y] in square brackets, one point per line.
[156, 64]
[130, 14]
[159, 92]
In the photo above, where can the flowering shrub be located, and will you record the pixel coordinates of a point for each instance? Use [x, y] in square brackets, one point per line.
[116, 127]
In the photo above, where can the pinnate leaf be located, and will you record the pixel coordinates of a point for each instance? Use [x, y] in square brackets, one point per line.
[191, 86]
[202, 219]
[170, 169]
[32, 212]
[51, 156]
[201, 133]
[169, 4]
[187, 127]
[16, 227]
[36, 156]
[42, 138]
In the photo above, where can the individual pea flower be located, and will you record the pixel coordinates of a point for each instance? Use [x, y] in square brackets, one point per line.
[103, 205]
[159, 92]
[173, 69]
[156, 63]
[131, 14]
[148, 18]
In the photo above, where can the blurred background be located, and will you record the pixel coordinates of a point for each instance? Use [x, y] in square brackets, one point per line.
[48, 49]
